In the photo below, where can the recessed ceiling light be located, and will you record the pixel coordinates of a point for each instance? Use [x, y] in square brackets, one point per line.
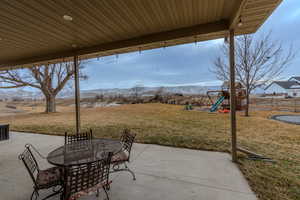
[67, 18]
[1, 39]
[74, 45]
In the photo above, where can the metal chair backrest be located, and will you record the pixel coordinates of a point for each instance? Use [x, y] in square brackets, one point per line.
[78, 137]
[85, 177]
[127, 140]
[4, 132]
[30, 163]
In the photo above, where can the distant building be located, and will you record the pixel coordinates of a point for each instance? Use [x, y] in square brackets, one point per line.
[295, 78]
[291, 87]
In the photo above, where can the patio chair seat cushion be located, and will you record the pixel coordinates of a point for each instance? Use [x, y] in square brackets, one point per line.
[49, 177]
[119, 157]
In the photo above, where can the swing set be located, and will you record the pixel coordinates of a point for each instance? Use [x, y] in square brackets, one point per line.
[222, 104]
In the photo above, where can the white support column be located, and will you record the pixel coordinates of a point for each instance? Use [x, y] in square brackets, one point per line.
[232, 96]
[77, 93]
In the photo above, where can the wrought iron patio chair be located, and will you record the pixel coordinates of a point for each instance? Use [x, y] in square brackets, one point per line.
[123, 157]
[42, 179]
[81, 180]
[78, 137]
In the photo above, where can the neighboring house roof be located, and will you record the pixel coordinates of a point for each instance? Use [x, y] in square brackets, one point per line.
[295, 77]
[295, 87]
[285, 84]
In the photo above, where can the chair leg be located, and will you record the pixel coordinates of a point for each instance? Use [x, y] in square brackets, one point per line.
[130, 171]
[107, 187]
[116, 168]
[107, 197]
[34, 193]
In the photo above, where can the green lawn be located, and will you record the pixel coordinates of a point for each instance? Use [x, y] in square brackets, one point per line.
[171, 125]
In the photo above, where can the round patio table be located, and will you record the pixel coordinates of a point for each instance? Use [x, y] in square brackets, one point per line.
[82, 152]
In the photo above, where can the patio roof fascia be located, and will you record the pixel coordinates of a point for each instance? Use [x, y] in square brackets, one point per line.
[202, 29]
[253, 13]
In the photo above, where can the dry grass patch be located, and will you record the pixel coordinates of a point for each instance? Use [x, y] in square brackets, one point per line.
[171, 125]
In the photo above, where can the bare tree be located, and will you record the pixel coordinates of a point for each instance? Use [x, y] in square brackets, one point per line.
[50, 79]
[137, 90]
[258, 60]
[158, 95]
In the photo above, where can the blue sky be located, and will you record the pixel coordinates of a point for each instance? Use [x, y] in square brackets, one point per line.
[180, 65]
[187, 64]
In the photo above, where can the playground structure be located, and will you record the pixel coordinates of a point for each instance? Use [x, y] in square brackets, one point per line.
[223, 98]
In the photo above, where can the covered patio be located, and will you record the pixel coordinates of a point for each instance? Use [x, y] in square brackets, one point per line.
[41, 32]
[35, 33]
[162, 173]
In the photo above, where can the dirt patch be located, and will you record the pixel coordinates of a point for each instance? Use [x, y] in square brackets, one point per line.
[8, 110]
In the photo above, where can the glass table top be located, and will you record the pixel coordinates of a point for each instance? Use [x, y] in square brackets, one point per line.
[82, 152]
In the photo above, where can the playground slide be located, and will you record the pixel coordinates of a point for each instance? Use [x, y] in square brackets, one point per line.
[215, 106]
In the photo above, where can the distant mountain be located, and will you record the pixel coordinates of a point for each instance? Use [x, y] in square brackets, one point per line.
[19, 94]
[145, 91]
[185, 90]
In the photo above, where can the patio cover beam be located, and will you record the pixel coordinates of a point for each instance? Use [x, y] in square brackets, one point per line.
[201, 29]
[236, 16]
[232, 96]
[77, 93]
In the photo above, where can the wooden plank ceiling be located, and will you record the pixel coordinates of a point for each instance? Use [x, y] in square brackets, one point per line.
[34, 31]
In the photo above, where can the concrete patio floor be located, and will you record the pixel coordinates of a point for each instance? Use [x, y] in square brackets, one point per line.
[162, 173]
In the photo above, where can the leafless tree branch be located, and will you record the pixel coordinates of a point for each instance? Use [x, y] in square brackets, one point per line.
[49, 78]
[258, 60]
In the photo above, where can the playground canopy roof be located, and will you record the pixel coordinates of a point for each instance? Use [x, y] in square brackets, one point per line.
[35, 31]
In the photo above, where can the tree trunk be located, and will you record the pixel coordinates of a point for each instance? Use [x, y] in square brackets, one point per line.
[247, 105]
[50, 104]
